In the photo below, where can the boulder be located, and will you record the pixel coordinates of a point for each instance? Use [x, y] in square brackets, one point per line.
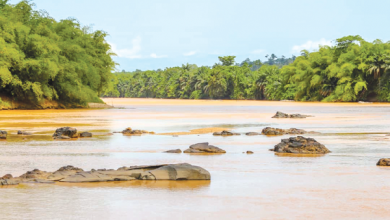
[64, 172]
[284, 115]
[278, 131]
[65, 132]
[252, 133]
[23, 133]
[6, 177]
[300, 145]
[182, 171]
[249, 152]
[176, 151]
[35, 174]
[85, 134]
[8, 182]
[204, 148]
[383, 162]
[3, 134]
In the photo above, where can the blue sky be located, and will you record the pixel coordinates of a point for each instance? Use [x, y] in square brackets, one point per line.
[152, 34]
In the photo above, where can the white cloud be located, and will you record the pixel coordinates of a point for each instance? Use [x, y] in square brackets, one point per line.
[153, 55]
[311, 45]
[129, 53]
[189, 53]
[259, 51]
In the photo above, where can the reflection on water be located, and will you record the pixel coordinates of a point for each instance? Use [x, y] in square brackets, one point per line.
[344, 184]
[171, 185]
[298, 155]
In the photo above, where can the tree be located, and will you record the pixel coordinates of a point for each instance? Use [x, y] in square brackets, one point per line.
[227, 60]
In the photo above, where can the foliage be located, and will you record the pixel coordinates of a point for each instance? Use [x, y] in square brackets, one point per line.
[351, 70]
[41, 58]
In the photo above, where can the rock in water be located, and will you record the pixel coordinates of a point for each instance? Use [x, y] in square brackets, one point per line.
[23, 133]
[284, 115]
[129, 131]
[383, 162]
[278, 131]
[73, 174]
[65, 132]
[85, 134]
[225, 133]
[3, 134]
[176, 151]
[182, 171]
[35, 174]
[6, 177]
[8, 182]
[64, 172]
[300, 145]
[204, 148]
[252, 133]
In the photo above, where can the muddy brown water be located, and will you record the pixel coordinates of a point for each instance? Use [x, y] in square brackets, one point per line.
[345, 184]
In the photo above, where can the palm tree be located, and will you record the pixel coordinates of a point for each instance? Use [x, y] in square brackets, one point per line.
[378, 65]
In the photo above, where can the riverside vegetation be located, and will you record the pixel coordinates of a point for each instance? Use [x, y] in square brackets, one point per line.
[44, 59]
[351, 70]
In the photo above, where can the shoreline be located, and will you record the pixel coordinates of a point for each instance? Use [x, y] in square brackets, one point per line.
[117, 103]
[228, 102]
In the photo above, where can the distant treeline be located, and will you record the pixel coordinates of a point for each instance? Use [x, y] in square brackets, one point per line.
[351, 70]
[44, 59]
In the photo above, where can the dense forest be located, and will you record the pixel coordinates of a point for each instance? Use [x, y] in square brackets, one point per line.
[44, 59]
[351, 70]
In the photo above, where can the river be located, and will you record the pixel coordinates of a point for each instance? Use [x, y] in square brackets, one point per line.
[345, 184]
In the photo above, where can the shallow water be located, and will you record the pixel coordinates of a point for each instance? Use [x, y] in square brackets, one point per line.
[345, 184]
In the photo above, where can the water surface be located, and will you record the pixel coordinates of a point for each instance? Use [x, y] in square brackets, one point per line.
[345, 184]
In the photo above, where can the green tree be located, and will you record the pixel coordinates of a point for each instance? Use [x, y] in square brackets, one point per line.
[227, 60]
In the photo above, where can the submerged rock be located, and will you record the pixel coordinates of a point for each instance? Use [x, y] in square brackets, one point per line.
[176, 151]
[278, 131]
[85, 134]
[252, 133]
[23, 133]
[65, 133]
[129, 131]
[225, 133]
[204, 148]
[300, 145]
[3, 134]
[383, 162]
[284, 115]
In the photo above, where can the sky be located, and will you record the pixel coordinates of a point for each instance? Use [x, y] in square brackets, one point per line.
[155, 34]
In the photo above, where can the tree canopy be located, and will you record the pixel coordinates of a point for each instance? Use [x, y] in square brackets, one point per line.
[351, 70]
[41, 58]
